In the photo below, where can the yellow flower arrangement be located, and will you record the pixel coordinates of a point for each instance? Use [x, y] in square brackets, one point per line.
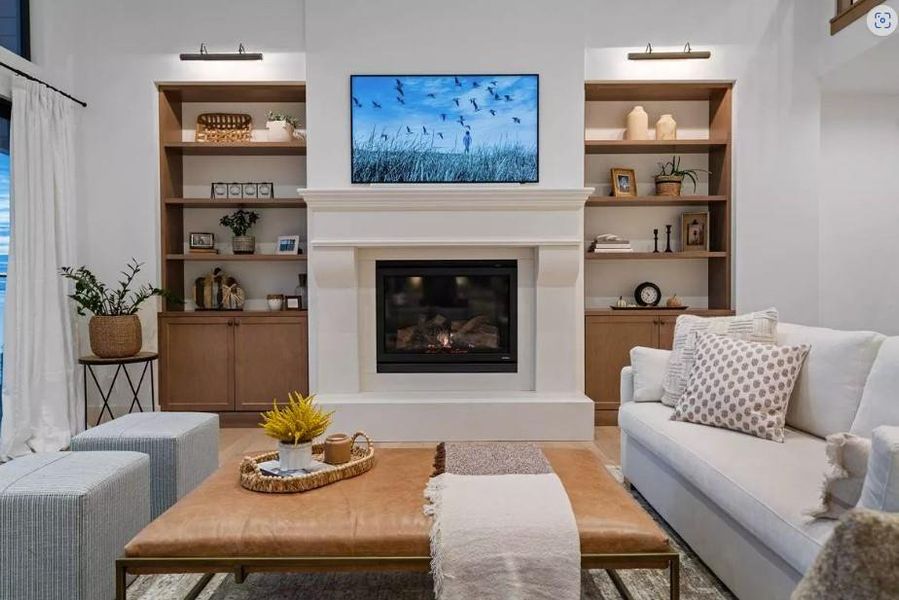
[300, 421]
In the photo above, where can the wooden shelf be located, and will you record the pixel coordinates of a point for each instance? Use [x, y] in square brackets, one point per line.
[295, 148]
[236, 203]
[653, 255]
[237, 257]
[219, 91]
[652, 146]
[653, 200]
[659, 312]
[232, 313]
[638, 91]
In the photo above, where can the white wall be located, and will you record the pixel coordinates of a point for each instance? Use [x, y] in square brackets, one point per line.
[859, 212]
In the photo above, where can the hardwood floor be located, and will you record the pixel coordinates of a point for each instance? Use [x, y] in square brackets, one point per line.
[237, 442]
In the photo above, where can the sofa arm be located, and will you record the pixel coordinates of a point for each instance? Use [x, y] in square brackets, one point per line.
[881, 489]
[627, 385]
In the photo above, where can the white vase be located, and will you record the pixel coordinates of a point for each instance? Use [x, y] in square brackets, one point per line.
[279, 131]
[666, 128]
[293, 457]
[637, 125]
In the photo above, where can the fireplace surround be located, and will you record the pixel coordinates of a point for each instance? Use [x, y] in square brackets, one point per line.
[446, 316]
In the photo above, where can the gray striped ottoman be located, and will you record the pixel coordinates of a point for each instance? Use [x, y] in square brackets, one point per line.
[183, 449]
[65, 518]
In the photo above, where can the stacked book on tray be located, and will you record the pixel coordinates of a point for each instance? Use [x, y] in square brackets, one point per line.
[610, 244]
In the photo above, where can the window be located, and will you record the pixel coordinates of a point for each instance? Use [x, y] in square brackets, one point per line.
[14, 27]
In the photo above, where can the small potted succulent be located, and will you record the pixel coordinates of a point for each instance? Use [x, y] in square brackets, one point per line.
[281, 126]
[671, 177]
[295, 426]
[240, 222]
[114, 328]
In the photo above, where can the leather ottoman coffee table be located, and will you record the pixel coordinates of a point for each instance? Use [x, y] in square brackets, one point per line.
[372, 522]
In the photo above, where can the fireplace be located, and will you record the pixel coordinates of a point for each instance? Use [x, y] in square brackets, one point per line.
[446, 316]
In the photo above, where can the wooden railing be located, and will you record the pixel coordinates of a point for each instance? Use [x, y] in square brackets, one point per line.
[849, 11]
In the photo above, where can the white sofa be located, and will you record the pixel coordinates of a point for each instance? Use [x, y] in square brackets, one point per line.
[738, 500]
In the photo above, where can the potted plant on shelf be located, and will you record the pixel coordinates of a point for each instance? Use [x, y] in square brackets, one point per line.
[281, 126]
[115, 330]
[295, 426]
[240, 222]
[671, 177]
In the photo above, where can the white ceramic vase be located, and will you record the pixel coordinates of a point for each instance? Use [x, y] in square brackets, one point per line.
[637, 125]
[666, 128]
[293, 457]
[279, 131]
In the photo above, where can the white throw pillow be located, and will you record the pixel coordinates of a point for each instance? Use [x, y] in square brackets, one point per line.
[881, 491]
[847, 456]
[739, 385]
[649, 372]
[880, 400]
[758, 327]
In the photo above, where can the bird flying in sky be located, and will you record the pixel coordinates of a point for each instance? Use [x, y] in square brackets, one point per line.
[492, 113]
[400, 100]
[356, 102]
[474, 103]
[456, 100]
[375, 104]
[458, 83]
[516, 120]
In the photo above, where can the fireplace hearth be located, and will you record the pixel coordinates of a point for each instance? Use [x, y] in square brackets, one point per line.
[446, 316]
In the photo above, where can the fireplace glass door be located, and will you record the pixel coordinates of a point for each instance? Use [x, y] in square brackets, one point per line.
[446, 316]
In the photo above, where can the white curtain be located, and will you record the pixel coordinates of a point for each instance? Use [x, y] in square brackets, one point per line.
[40, 400]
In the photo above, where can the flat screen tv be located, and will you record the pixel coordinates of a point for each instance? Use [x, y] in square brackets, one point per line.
[444, 128]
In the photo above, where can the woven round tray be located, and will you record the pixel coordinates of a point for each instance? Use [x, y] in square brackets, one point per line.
[253, 479]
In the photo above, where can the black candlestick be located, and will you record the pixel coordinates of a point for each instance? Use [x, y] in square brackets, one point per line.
[655, 236]
[668, 233]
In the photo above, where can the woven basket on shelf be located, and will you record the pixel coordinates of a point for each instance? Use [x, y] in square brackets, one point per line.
[223, 127]
[667, 185]
[253, 479]
[115, 336]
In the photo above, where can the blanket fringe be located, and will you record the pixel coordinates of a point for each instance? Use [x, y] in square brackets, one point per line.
[433, 494]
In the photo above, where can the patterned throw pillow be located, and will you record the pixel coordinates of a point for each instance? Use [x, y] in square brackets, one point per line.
[758, 327]
[743, 386]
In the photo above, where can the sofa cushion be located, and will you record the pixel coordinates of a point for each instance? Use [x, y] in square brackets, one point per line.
[881, 489]
[763, 486]
[830, 386]
[880, 400]
[739, 385]
[649, 373]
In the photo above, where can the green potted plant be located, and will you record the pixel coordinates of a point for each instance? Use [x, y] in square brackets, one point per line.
[280, 126]
[240, 222]
[671, 177]
[295, 426]
[115, 330]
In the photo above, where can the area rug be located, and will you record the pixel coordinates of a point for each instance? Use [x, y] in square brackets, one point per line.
[697, 582]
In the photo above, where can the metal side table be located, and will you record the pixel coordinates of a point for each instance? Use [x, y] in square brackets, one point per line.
[145, 358]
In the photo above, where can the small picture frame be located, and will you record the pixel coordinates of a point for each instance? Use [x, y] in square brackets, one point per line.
[265, 191]
[249, 190]
[293, 303]
[624, 183]
[201, 240]
[235, 190]
[219, 191]
[694, 228]
[288, 244]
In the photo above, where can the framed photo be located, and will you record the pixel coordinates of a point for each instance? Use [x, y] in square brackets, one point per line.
[624, 183]
[293, 303]
[202, 241]
[235, 190]
[219, 191]
[265, 190]
[288, 244]
[249, 190]
[694, 232]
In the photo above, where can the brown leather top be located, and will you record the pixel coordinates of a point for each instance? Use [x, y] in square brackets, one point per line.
[377, 514]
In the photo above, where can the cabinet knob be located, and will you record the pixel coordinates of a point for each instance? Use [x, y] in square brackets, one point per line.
[230, 322]
[237, 322]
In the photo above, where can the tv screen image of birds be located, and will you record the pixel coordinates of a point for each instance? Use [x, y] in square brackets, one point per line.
[444, 129]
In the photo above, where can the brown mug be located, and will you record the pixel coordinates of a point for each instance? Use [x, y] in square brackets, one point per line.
[338, 449]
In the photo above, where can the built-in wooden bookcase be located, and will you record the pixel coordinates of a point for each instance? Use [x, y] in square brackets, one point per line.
[704, 279]
[229, 362]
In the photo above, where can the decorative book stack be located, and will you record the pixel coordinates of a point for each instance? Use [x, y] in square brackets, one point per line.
[610, 246]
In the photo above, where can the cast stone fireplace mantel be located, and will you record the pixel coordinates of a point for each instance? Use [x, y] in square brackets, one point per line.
[542, 228]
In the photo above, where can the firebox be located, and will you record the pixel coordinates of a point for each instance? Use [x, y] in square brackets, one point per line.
[447, 316]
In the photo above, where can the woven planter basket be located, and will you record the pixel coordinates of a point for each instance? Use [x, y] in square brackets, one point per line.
[252, 478]
[116, 336]
[668, 186]
[243, 244]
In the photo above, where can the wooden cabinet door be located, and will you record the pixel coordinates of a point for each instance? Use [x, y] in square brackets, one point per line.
[270, 360]
[608, 345]
[666, 332]
[195, 363]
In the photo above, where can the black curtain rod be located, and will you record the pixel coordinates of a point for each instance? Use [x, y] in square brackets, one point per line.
[32, 78]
